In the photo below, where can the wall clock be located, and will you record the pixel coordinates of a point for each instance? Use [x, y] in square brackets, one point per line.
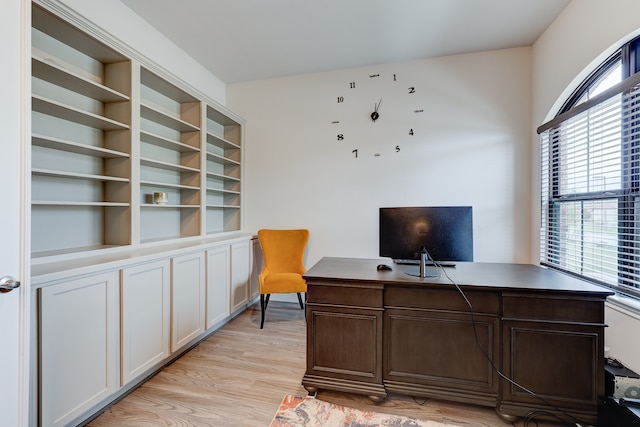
[376, 115]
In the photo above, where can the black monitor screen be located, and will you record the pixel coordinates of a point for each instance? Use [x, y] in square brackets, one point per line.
[446, 232]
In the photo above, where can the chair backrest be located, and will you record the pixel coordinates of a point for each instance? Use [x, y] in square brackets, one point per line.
[283, 250]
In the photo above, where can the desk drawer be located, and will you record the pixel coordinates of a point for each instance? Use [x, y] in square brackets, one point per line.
[345, 295]
[553, 307]
[440, 298]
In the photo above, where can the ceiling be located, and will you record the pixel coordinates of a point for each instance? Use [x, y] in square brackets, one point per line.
[243, 40]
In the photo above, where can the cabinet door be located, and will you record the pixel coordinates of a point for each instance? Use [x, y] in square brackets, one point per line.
[218, 284]
[422, 359]
[188, 299]
[554, 346]
[79, 346]
[239, 274]
[344, 339]
[256, 267]
[145, 302]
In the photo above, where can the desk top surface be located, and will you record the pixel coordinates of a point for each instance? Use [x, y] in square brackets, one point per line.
[468, 274]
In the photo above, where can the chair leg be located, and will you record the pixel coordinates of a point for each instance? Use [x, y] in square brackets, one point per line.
[300, 301]
[264, 302]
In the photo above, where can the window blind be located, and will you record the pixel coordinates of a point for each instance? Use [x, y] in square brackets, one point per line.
[590, 188]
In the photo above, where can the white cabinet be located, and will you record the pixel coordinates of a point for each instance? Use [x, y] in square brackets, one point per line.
[78, 346]
[187, 299]
[218, 284]
[240, 274]
[103, 329]
[145, 315]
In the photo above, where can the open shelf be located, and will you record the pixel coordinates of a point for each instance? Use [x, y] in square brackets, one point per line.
[72, 114]
[62, 203]
[166, 119]
[75, 147]
[167, 165]
[167, 185]
[167, 143]
[45, 172]
[219, 142]
[48, 69]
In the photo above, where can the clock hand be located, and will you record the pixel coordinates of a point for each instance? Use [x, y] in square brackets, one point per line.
[375, 115]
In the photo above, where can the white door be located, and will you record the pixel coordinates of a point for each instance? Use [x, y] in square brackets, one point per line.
[15, 87]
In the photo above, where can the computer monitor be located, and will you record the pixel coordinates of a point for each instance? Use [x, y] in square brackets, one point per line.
[446, 232]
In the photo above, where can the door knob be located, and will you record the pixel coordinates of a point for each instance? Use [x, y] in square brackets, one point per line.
[8, 283]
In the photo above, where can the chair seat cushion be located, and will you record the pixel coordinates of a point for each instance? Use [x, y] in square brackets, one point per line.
[275, 283]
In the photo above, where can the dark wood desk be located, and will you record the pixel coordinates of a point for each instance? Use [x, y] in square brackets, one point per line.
[373, 332]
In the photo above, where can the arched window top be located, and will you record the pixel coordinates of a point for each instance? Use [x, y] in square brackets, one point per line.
[590, 177]
[619, 66]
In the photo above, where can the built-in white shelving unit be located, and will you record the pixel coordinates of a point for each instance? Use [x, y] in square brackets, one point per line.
[170, 140]
[110, 130]
[81, 173]
[223, 172]
[122, 282]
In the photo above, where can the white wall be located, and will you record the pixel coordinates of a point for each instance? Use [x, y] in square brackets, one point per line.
[586, 33]
[471, 147]
[118, 20]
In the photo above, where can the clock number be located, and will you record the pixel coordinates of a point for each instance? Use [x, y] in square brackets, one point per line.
[394, 78]
[340, 137]
[352, 85]
[340, 99]
[397, 148]
[411, 132]
[412, 89]
[355, 152]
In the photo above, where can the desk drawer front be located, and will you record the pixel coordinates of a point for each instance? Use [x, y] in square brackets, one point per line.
[345, 295]
[565, 308]
[441, 298]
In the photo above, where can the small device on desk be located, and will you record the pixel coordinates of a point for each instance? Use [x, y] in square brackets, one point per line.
[384, 267]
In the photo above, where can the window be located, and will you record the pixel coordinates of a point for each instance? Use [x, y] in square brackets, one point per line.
[590, 177]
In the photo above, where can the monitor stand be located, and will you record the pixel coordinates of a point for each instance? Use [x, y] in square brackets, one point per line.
[424, 271]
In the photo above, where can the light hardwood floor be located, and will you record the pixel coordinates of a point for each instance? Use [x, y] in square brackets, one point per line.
[239, 375]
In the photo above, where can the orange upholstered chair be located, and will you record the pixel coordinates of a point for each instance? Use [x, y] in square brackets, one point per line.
[283, 252]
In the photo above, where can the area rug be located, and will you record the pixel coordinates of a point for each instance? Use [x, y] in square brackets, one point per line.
[311, 412]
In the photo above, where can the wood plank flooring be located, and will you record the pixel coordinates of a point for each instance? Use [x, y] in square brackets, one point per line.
[239, 375]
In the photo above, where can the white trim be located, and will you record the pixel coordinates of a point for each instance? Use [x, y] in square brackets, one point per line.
[24, 308]
[625, 305]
